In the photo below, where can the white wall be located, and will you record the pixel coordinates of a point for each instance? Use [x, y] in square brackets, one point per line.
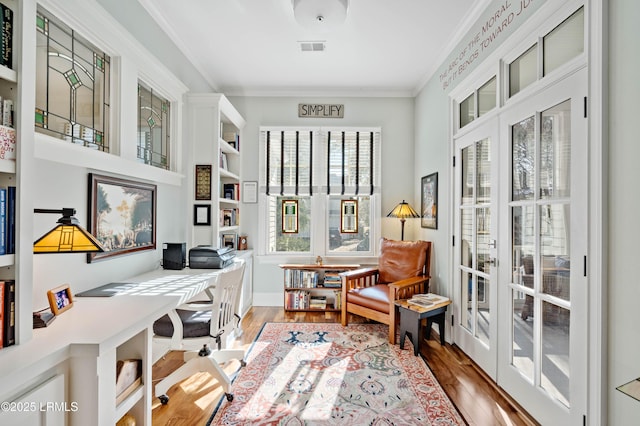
[624, 204]
[61, 185]
[393, 115]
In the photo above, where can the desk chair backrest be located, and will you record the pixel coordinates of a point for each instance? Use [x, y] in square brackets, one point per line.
[226, 298]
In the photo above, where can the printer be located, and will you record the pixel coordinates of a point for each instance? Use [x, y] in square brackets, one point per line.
[207, 257]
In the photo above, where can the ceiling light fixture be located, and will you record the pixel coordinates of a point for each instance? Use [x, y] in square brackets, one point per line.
[320, 15]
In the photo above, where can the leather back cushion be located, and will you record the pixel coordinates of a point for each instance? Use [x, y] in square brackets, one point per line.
[401, 259]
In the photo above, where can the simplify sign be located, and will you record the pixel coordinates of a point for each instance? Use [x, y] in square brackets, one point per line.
[321, 110]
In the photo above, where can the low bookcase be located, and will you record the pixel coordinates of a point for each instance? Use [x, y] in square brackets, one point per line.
[313, 287]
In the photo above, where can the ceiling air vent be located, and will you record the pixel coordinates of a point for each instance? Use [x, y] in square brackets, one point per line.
[312, 46]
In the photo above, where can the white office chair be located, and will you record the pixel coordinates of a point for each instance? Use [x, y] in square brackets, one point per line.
[204, 323]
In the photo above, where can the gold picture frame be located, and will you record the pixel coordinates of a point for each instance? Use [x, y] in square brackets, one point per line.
[60, 299]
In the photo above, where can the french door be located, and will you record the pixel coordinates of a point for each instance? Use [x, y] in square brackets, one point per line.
[542, 317]
[475, 254]
[520, 250]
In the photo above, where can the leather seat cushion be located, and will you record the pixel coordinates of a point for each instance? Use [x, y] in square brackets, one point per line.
[401, 259]
[375, 297]
[194, 324]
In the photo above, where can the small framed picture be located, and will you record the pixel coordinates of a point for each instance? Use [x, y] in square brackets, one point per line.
[429, 210]
[202, 214]
[250, 192]
[60, 299]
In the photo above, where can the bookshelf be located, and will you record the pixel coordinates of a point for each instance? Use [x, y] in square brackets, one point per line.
[17, 93]
[313, 287]
[215, 128]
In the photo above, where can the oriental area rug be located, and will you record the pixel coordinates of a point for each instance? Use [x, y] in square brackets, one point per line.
[326, 374]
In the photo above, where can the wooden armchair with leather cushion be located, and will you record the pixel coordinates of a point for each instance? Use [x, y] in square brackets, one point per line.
[403, 270]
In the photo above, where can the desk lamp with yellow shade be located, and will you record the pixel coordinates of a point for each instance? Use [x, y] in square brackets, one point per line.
[67, 237]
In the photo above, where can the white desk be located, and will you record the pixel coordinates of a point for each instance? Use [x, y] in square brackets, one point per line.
[83, 344]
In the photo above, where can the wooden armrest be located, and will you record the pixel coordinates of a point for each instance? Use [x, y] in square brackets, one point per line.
[407, 282]
[405, 289]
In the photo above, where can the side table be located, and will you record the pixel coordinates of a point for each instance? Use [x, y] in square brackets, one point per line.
[412, 315]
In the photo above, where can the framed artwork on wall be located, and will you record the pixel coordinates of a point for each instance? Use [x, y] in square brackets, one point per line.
[203, 181]
[202, 214]
[429, 210]
[122, 215]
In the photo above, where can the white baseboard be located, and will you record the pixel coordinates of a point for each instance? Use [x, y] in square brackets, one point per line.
[268, 299]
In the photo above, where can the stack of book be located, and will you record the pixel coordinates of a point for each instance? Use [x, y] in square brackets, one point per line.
[317, 302]
[426, 300]
[332, 279]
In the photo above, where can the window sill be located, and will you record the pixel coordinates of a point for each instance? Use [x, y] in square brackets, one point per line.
[52, 149]
[278, 259]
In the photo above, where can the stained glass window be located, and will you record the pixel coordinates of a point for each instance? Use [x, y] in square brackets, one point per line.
[153, 127]
[72, 85]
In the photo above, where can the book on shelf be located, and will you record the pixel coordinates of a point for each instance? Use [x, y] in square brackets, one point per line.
[2, 315]
[231, 191]
[229, 217]
[230, 240]
[337, 299]
[3, 221]
[317, 302]
[6, 45]
[7, 143]
[11, 220]
[332, 279]
[296, 278]
[7, 112]
[9, 304]
[297, 299]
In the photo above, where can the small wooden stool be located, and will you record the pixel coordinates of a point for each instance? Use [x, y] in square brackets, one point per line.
[412, 315]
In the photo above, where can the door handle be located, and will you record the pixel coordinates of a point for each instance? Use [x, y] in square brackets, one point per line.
[492, 261]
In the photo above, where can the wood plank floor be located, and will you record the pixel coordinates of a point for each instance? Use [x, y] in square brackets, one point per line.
[478, 399]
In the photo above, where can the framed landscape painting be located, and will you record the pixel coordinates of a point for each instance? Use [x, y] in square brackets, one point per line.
[122, 215]
[429, 210]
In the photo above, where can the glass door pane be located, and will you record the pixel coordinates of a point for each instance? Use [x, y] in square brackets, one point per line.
[476, 243]
[540, 241]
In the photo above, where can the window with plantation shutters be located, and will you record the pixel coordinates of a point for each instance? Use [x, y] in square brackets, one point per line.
[318, 169]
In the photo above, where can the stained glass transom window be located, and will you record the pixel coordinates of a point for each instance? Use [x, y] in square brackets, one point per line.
[72, 85]
[153, 128]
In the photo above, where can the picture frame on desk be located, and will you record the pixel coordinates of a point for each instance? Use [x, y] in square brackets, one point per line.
[202, 215]
[122, 215]
[60, 299]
